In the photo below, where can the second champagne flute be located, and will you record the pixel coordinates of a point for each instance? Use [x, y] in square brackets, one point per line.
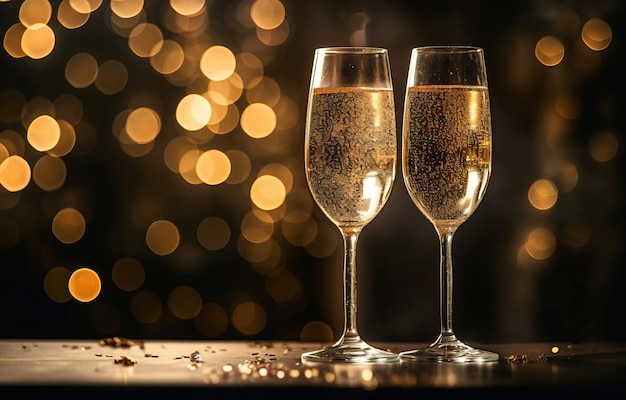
[350, 160]
[446, 164]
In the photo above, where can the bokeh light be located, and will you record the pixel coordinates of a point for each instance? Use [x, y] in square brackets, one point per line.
[44, 133]
[162, 237]
[597, 34]
[550, 51]
[543, 194]
[603, 146]
[15, 173]
[184, 302]
[69, 225]
[249, 318]
[84, 284]
[128, 274]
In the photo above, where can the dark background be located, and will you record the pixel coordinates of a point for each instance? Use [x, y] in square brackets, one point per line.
[576, 295]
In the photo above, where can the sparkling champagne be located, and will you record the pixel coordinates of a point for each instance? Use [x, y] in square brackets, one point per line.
[351, 152]
[447, 162]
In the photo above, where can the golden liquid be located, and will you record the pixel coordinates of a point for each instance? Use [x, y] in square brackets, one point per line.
[447, 150]
[350, 152]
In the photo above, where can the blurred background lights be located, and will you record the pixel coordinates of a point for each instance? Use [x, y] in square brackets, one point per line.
[184, 302]
[317, 331]
[603, 146]
[162, 237]
[55, 284]
[597, 34]
[267, 192]
[213, 233]
[15, 173]
[543, 194]
[68, 225]
[212, 320]
[111, 77]
[258, 120]
[249, 318]
[84, 285]
[541, 243]
[164, 144]
[145, 40]
[146, 306]
[187, 7]
[143, 125]
[49, 173]
[38, 41]
[81, 70]
[126, 8]
[213, 167]
[34, 12]
[73, 14]
[549, 51]
[193, 112]
[128, 274]
[218, 63]
[44, 133]
[267, 14]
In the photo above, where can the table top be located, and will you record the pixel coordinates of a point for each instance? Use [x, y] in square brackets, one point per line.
[112, 364]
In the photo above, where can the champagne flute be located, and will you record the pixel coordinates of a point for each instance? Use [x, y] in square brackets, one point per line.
[446, 164]
[350, 159]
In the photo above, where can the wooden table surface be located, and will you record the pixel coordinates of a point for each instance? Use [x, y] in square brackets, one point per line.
[115, 367]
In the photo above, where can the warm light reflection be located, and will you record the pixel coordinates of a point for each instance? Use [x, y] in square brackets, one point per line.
[43, 133]
[34, 12]
[213, 167]
[187, 7]
[213, 233]
[69, 225]
[218, 63]
[603, 146]
[73, 16]
[38, 41]
[193, 112]
[49, 173]
[543, 194]
[184, 302]
[143, 125]
[162, 237]
[15, 173]
[541, 243]
[249, 318]
[84, 285]
[549, 51]
[128, 274]
[169, 58]
[111, 77]
[267, 192]
[81, 70]
[145, 40]
[55, 284]
[146, 307]
[597, 34]
[317, 331]
[267, 14]
[126, 8]
[212, 320]
[258, 120]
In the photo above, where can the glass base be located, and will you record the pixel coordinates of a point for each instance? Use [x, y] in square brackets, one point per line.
[359, 352]
[452, 351]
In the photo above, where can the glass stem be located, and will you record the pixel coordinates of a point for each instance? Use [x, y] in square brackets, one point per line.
[350, 332]
[445, 303]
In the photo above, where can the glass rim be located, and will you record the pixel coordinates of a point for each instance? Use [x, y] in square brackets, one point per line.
[449, 48]
[352, 50]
